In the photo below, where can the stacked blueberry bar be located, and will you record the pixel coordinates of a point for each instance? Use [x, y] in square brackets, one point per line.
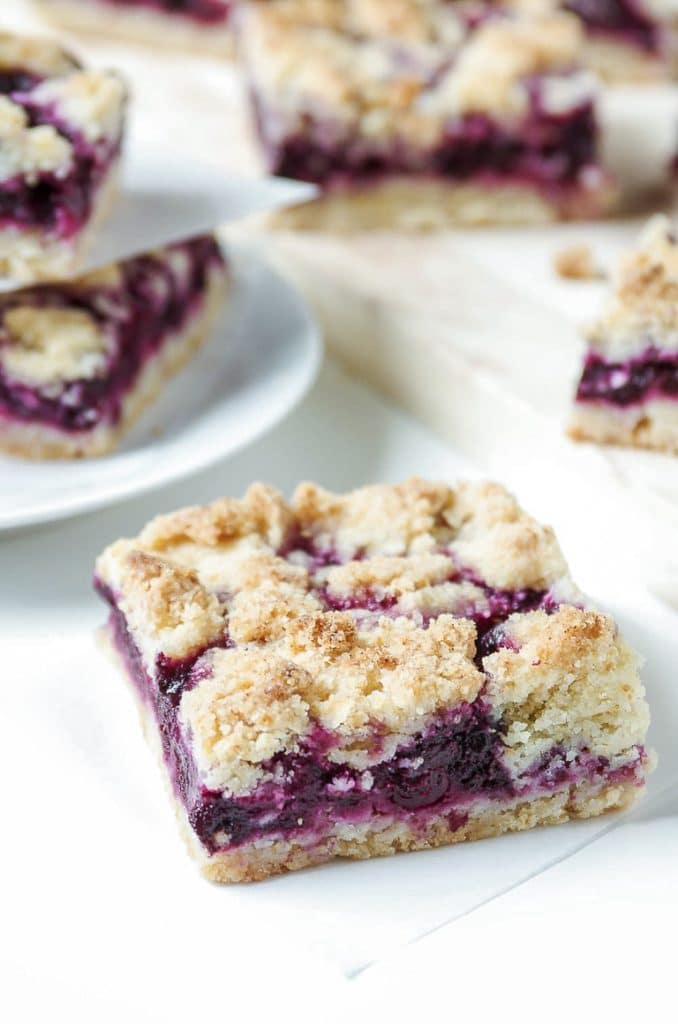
[628, 391]
[397, 668]
[424, 119]
[629, 40]
[61, 130]
[204, 25]
[79, 360]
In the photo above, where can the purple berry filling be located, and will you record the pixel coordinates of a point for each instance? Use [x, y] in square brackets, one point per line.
[544, 150]
[17, 80]
[205, 12]
[437, 774]
[624, 20]
[150, 305]
[58, 205]
[652, 375]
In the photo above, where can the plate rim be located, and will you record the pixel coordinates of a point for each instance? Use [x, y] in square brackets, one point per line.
[242, 257]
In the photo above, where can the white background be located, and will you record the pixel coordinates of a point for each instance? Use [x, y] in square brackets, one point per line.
[87, 934]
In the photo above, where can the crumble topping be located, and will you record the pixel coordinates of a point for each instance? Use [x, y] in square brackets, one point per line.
[249, 708]
[325, 670]
[28, 151]
[418, 22]
[569, 676]
[43, 346]
[362, 75]
[92, 101]
[39, 56]
[265, 574]
[262, 513]
[167, 607]
[643, 309]
[491, 72]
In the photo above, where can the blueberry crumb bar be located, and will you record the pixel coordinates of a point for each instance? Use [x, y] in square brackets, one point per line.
[61, 132]
[397, 668]
[628, 391]
[201, 25]
[424, 121]
[80, 360]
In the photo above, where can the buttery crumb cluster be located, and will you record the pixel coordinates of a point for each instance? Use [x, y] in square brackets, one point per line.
[363, 614]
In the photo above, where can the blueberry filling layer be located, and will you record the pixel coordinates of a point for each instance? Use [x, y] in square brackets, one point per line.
[652, 375]
[438, 774]
[151, 304]
[204, 12]
[545, 150]
[58, 204]
[621, 19]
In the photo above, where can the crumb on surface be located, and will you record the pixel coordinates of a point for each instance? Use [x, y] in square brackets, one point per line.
[577, 263]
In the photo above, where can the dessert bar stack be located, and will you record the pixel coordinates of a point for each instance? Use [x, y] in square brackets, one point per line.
[81, 356]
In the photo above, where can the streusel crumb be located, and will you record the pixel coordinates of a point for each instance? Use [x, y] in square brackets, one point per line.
[577, 263]
[372, 594]
[43, 345]
[645, 297]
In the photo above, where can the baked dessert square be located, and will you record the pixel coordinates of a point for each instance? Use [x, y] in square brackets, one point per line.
[201, 25]
[628, 391]
[392, 669]
[424, 121]
[61, 131]
[80, 360]
[628, 40]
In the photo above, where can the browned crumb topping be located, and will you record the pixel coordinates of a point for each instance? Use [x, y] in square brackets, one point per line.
[342, 58]
[255, 570]
[577, 262]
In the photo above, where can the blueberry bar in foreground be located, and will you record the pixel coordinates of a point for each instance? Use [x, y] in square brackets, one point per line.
[397, 668]
[61, 133]
[202, 25]
[404, 124]
[628, 391]
[80, 360]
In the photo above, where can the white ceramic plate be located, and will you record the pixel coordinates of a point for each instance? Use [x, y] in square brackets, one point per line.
[259, 363]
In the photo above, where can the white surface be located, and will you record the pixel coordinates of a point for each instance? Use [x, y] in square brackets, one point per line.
[259, 362]
[94, 843]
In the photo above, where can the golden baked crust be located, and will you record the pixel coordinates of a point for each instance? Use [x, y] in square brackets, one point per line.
[651, 424]
[252, 864]
[356, 613]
